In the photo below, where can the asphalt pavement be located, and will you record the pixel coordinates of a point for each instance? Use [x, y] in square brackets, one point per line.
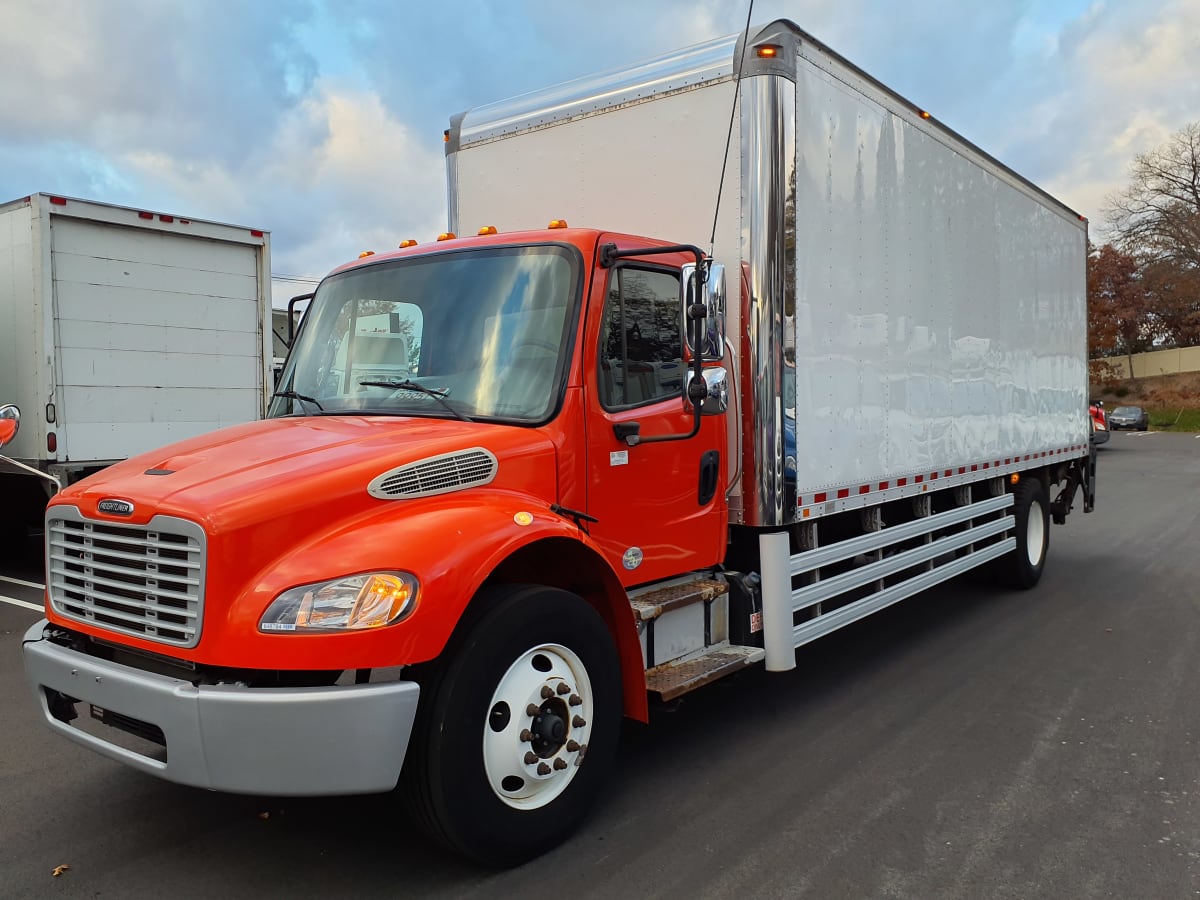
[968, 742]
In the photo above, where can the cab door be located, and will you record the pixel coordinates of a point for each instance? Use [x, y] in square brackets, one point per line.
[660, 506]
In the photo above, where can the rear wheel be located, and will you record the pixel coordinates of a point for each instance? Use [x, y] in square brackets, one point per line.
[1022, 568]
[517, 728]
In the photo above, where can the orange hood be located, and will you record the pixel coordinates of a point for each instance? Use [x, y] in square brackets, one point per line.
[318, 465]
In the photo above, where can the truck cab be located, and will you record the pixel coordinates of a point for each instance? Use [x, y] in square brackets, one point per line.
[486, 439]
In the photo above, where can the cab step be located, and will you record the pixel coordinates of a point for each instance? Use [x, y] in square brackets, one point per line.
[676, 678]
[652, 604]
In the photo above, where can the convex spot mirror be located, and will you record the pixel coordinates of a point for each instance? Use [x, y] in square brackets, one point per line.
[714, 303]
[10, 420]
[716, 401]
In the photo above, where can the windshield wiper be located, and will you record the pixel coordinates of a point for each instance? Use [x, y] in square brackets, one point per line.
[293, 395]
[407, 385]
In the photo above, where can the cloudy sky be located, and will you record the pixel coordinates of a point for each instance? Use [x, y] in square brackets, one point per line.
[321, 120]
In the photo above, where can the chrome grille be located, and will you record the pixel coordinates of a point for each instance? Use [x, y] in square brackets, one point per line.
[143, 580]
[435, 475]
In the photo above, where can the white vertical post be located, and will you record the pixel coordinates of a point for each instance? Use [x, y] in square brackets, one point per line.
[774, 552]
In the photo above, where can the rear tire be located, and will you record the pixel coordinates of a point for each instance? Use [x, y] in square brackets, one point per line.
[517, 727]
[1022, 568]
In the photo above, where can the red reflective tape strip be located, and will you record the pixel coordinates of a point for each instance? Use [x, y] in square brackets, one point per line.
[843, 493]
[59, 201]
[256, 233]
[901, 482]
[145, 215]
[864, 489]
[163, 218]
[883, 485]
[819, 498]
[919, 479]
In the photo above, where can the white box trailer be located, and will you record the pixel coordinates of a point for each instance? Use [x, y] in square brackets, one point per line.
[911, 309]
[124, 329]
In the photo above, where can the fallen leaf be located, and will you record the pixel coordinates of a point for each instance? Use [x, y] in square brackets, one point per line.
[58, 870]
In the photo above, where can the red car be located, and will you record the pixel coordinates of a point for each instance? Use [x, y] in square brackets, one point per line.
[1100, 432]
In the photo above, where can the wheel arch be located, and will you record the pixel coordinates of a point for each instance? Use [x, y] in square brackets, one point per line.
[573, 566]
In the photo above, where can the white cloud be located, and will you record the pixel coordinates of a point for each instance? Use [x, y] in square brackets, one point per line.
[322, 123]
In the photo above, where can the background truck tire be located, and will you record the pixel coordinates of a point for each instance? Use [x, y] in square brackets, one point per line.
[1022, 568]
[517, 727]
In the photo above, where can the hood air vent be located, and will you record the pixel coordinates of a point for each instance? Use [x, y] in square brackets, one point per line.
[435, 475]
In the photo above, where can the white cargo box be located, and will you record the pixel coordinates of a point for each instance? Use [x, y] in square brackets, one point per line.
[912, 307]
[122, 329]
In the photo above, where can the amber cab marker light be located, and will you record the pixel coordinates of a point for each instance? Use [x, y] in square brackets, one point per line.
[1014, 478]
[446, 136]
[925, 114]
[446, 236]
[488, 229]
[366, 253]
[557, 223]
[407, 243]
[767, 51]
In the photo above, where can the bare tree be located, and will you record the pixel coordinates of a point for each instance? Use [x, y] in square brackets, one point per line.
[1157, 218]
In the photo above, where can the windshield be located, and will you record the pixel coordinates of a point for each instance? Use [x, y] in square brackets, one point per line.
[477, 333]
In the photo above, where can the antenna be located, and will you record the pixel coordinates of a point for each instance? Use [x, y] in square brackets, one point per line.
[712, 240]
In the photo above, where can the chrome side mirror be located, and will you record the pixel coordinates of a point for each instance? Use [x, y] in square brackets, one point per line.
[713, 298]
[10, 421]
[717, 383]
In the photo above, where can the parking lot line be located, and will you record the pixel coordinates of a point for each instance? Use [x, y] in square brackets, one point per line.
[36, 607]
[29, 584]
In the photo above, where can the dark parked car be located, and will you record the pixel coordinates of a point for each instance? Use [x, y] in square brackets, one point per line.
[1130, 417]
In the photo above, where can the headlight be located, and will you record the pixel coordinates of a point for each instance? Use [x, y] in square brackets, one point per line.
[371, 600]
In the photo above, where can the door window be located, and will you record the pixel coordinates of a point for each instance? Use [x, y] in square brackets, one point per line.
[641, 340]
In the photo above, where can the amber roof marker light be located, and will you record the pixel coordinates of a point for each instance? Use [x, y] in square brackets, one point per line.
[767, 51]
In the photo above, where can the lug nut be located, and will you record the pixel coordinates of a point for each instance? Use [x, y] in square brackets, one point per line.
[572, 746]
[563, 688]
[560, 764]
[547, 692]
[526, 735]
[530, 758]
[543, 769]
[575, 700]
[579, 721]
[532, 710]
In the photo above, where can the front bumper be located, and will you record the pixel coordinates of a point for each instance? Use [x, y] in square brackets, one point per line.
[267, 741]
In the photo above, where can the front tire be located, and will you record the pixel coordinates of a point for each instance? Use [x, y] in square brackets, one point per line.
[1022, 568]
[517, 728]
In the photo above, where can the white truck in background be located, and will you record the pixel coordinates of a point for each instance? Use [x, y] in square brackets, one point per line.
[122, 330]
